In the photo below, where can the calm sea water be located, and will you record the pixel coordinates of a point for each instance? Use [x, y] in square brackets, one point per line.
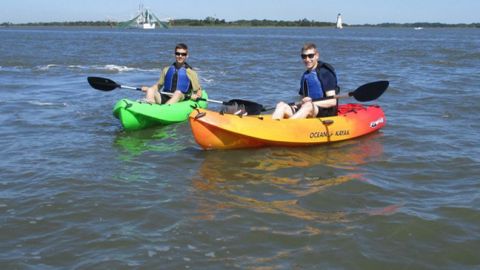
[77, 192]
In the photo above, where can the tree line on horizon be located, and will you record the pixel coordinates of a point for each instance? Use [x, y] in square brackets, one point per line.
[211, 21]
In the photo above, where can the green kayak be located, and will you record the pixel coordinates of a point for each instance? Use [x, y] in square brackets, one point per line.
[134, 115]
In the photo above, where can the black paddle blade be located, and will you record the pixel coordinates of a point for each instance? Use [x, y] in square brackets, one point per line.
[252, 108]
[103, 84]
[370, 91]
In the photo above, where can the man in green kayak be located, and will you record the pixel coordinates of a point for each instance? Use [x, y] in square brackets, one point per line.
[319, 81]
[179, 81]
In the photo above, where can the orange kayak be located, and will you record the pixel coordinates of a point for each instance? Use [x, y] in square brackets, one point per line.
[213, 130]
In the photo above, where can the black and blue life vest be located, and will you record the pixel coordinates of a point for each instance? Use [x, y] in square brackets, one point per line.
[316, 82]
[177, 79]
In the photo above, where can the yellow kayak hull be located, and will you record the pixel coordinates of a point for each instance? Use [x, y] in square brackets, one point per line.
[213, 130]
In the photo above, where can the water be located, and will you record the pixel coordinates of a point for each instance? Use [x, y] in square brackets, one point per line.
[77, 192]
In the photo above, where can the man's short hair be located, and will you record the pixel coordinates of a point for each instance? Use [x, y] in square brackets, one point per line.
[181, 46]
[308, 46]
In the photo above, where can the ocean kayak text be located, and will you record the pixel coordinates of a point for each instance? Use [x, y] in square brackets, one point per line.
[320, 134]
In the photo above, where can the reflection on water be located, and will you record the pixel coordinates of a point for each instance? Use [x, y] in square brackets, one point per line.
[281, 181]
[385, 211]
[159, 139]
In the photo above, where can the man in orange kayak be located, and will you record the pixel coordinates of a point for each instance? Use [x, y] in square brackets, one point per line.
[179, 79]
[319, 81]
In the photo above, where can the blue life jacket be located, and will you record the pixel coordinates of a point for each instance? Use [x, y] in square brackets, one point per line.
[314, 83]
[177, 79]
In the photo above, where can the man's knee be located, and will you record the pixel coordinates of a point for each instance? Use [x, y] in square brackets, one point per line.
[279, 106]
[307, 106]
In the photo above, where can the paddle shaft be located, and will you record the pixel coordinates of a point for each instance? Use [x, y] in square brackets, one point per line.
[171, 94]
[202, 99]
[318, 99]
[366, 92]
[130, 87]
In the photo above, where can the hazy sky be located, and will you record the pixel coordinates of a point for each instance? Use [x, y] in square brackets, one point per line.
[353, 11]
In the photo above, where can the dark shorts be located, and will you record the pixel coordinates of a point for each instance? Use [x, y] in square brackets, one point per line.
[165, 98]
[324, 112]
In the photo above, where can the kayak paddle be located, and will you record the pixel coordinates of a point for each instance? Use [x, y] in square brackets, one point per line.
[105, 84]
[364, 93]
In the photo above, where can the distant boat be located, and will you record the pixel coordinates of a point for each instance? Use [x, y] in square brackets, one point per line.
[144, 20]
[418, 28]
[339, 21]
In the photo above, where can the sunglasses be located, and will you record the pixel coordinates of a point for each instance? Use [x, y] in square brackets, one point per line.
[180, 54]
[310, 55]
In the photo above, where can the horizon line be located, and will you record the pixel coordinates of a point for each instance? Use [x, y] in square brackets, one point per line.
[233, 21]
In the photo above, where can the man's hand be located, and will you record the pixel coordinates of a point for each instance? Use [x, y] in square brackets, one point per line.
[195, 96]
[306, 99]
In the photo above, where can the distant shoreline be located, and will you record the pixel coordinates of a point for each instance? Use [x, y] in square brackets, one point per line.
[212, 22]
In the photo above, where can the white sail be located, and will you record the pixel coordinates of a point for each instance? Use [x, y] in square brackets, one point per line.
[339, 21]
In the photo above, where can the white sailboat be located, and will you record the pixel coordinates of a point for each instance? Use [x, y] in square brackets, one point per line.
[339, 21]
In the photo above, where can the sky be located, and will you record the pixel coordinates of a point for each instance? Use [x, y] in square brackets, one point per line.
[353, 11]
